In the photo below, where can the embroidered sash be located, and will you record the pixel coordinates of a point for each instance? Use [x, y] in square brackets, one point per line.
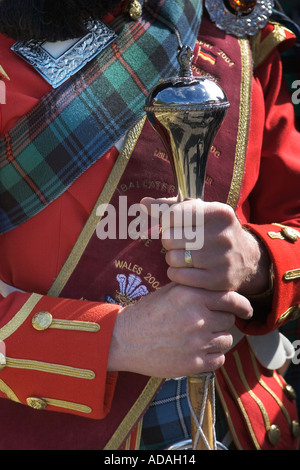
[127, 269]
[131, 268]
[73, 126]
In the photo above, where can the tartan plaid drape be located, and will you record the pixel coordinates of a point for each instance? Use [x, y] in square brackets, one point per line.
[74, 125]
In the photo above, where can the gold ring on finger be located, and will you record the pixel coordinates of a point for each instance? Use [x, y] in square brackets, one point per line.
[188, 258]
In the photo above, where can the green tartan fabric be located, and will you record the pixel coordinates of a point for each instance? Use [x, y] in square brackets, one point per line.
[74, 125]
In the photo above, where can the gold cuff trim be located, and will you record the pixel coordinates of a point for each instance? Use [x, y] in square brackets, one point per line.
[20, 317]
[50, 368]
[75, 325]
[41, 321]
[68, 405]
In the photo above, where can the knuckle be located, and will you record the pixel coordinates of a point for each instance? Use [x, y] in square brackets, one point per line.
[214, 361]
[167, 241]
[222, 211]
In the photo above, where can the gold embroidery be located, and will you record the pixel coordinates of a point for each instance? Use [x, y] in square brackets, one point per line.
[93, 220]
[20, 317]
[138, 434]
[127, 444]
[200, 72]
[291, 275]
[68, 405]
[286, 233]
[261, 49]
[242, 408]
[50, 368]
[226, 58]
[276, 236]
[268, 389]
[292, 313]
[209, 180]
[205, 44]
[216, 153]
[44, 320]
[242, 137]
[251, 393]
[228, 417]
[134, 414]
[75, 325]
[8, 392]
[3, 74]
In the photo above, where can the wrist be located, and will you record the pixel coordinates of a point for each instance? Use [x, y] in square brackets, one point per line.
[261, 281]
[267, 292]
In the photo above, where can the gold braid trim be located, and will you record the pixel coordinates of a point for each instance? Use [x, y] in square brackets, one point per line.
[242, 408]
[243, 127]
[227, 414]
[261, 49]
[134, 414]
[268, 389]
[8, 392]
[251, 393]
[59, 369]
[94, 219]
[20, 317]
[68, 405]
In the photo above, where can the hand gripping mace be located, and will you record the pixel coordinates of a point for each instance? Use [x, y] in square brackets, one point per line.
[187, 112]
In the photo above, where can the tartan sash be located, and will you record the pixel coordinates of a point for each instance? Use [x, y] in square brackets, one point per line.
[73, 126]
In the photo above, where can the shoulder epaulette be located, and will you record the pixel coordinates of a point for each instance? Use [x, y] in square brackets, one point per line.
[266, 40]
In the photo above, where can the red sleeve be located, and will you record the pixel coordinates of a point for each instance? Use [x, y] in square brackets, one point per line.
[276, 198]
[56, 353]
[63, 367]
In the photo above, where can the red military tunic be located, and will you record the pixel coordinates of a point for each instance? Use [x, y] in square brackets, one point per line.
[33, 254]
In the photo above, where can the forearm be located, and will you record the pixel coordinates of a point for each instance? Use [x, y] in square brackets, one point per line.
[57, 351]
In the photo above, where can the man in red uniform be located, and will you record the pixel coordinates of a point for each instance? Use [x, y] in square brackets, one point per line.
[84, 357]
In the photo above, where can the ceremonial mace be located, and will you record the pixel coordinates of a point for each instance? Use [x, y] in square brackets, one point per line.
[187, 112]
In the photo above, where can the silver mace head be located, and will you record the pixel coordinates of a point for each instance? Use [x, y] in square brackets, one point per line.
[187, 112]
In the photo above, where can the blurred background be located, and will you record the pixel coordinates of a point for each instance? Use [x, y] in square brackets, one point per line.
[291, 8]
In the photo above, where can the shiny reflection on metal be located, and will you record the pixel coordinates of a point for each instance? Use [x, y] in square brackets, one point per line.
[187, 445]
[181, 445]
[237, 20]
[187, 112]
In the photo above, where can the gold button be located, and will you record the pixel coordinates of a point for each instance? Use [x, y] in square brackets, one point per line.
[290, 234]
[296, 313]
[135, 10]
[290, 392]
[274, 434]
[292, 313]
[2, 361]
[41, 321]
[36, 403]
[296, 429]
